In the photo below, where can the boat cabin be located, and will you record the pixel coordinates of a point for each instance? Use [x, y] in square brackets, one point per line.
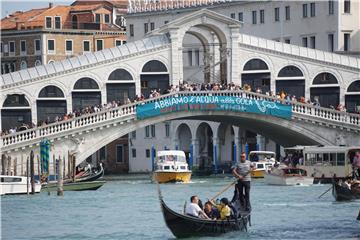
[170, 160]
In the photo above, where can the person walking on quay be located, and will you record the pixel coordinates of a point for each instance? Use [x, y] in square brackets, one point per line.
[241, 170]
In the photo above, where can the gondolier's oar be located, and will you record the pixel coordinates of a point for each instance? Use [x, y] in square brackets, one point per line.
[226, 188]
[326, 191]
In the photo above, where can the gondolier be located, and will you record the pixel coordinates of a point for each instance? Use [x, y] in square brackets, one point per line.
[241, 170]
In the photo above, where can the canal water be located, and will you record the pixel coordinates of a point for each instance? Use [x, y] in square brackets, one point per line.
[129, 209]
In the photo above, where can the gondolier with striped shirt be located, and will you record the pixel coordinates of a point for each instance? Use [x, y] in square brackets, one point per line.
[241, 170]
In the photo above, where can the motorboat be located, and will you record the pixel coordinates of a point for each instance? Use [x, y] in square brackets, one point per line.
[16, 185]
[75, 186]
[171, 166]
[287, 176]
[263, 161]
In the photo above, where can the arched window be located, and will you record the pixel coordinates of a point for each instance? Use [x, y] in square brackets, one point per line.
[325, 78]
[255, 64]
[290, 71]
[23, 65]
[51, 61]
[354, 86]
[16, 100]
[120, 74]
[51, 92]
[37, 63]
[74, 22]
[86, 83]
[154, 66]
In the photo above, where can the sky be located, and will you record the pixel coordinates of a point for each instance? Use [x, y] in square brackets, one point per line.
[10, 6]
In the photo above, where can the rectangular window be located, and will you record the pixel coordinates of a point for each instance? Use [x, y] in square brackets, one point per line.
[305, 11]
[152, 26]
[331, 42]
[147, 131]
[57, 22]
[146, 27]
[153, 131]
[131, 30]
[346, 41]
[86, 46]
[117, 42]
[37, 45]
[346, 6]
[133, 134]
[287, 40]
[48, 22]
[241, 16]
[12, 48]
[99, 44]
[120, 153]
[167, 130]
[166, 22]
[312, 9]
[51, 46]
[147, 153]
[23, 46]
[331, 7]
[97, 18]
[2, 47]
[287, 13]
[123, 42]
[106, 18]
[133, 152]
[304, 42]
[277, 14]
[197, 57]
[262, 16]
[189, 54]
[254, 17]
[312, 42]
[232, 15]
[68, 46]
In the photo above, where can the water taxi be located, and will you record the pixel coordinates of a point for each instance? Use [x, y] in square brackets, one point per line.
[171, 166]
[286, 176]
[263, 161]
[324, 162]
[16, 185]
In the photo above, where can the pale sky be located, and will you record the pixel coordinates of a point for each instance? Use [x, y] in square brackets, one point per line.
[10, 6]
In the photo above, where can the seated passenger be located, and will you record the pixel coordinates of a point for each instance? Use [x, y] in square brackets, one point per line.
[211, 212]
[194, 210]
[223, 208]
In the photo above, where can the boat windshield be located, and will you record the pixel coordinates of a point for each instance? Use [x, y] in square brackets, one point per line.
[255, 157]
[171, 158]
[297, 171]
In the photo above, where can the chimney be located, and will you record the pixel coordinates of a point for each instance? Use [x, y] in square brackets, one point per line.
[50, 4]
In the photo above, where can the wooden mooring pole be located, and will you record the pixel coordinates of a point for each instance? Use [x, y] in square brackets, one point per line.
[60, 186]
[3, 164]
[27, 175]
[32, 172]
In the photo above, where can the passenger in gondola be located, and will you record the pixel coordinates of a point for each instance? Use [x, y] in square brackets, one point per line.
[211, 211]
[242, 171]
[194, 210]
[223, 208]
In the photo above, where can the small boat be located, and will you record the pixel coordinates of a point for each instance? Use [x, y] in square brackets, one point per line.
[263, 160]
[171, 166]
[93, 175]
[183, 226]
[342, 192]
[16, 185]
[288, 176]
[75, 186]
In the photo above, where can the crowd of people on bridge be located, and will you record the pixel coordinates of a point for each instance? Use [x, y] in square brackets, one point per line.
[154, 93]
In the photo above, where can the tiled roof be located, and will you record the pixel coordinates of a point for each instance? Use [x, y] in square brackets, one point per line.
[116, 3]
[88, 7]
[84, 60]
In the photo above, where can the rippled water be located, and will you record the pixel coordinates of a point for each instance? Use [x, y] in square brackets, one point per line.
[131, 210]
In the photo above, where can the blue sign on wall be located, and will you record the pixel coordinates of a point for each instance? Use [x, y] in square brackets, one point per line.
[213, 103]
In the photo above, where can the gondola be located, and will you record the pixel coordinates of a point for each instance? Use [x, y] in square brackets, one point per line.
[92, 176]
[183, 226]
[342, 193]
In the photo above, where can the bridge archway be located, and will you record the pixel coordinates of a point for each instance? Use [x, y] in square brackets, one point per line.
[51, 104]
[86, 92]
[352, 97]
[120, 86]
[154, 76]
[183, 135]
[325, 90]
[205, 137]
[15, 111]
[291, 80]
[256, 74]
[226, 136]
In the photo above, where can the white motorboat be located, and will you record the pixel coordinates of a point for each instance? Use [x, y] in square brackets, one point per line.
[16, 185]
[288, 176]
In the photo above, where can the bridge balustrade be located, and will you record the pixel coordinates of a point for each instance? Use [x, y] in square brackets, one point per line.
[81, 122]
